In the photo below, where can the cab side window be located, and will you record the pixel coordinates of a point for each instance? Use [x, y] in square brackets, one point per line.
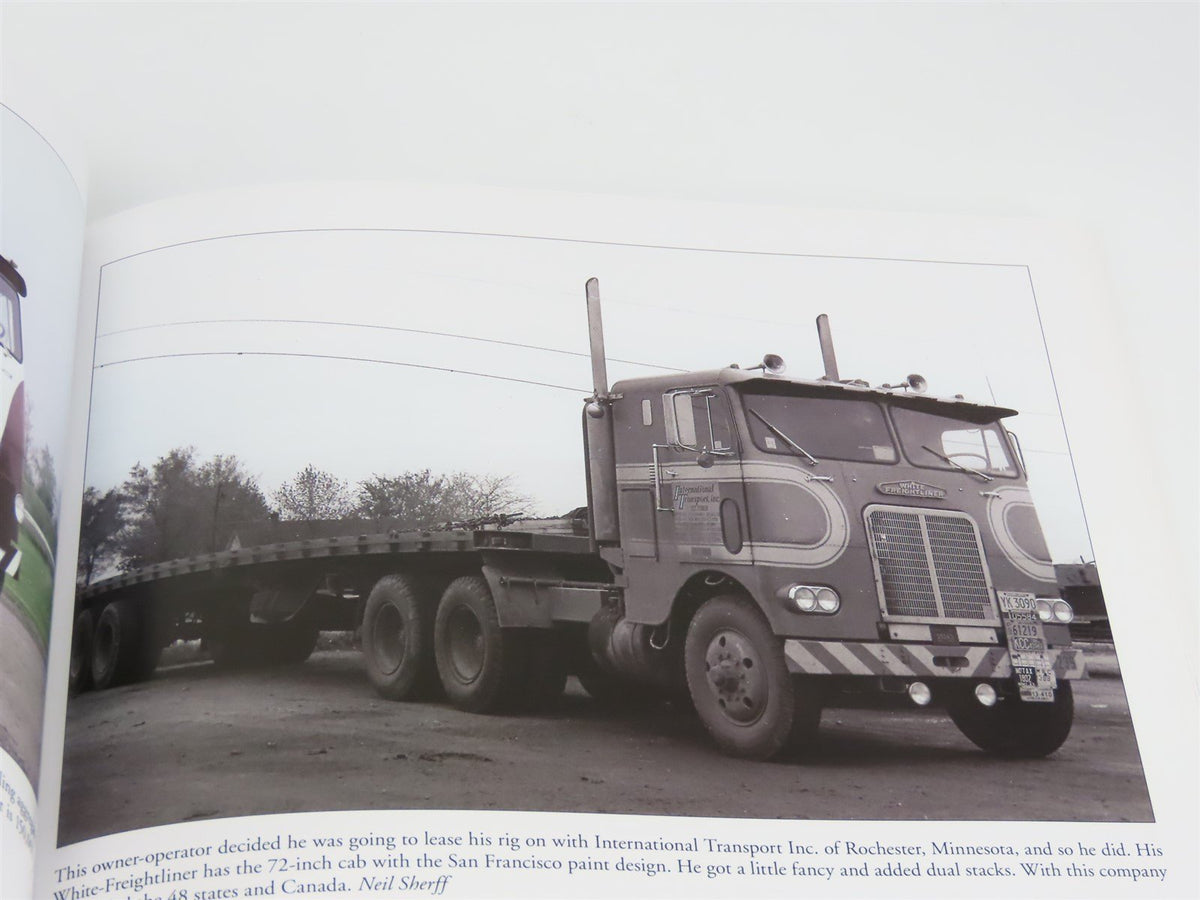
[698, 420]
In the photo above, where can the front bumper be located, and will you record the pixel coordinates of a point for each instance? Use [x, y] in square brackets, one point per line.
[806, 657]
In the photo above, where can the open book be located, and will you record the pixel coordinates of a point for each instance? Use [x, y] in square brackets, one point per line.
[384, 563]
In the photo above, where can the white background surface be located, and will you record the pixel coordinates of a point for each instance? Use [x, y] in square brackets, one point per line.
[1082, 112]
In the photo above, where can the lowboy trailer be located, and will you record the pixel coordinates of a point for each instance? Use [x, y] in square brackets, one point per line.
[756, 543]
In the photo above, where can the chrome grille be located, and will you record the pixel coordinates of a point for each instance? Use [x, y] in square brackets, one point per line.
[929, 564]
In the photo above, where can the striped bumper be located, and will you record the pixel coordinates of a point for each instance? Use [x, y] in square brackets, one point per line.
[915, 660]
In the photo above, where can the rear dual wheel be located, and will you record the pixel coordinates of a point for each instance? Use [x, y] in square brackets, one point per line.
[397, 639]
[79, 677]
[124, 647]
[486, 668]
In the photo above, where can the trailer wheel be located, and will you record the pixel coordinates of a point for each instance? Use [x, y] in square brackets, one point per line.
[1013, 727]
[740, 685]
[79, 678]
[292, 642]
[230, 647]
[396, 640]
[123, 646]
[480, 664]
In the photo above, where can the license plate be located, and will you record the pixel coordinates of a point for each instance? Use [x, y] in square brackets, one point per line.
[1036, 684]
[1010, 601]
[1025, 629]
[1021, 644]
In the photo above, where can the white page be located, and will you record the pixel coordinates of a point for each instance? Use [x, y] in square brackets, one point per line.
[41, 231]
[535, 251]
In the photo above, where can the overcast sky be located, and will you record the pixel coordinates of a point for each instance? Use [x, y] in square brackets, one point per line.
[391, 409]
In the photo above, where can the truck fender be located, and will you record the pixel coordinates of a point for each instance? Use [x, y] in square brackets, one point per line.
[517, 602]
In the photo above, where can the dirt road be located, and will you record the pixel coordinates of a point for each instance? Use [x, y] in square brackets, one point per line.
[22, 688]
[195, 743]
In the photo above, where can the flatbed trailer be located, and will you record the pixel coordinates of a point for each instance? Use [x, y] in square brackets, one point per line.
[752, 543]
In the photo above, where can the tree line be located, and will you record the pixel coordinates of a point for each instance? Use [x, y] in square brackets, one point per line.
[182, 506]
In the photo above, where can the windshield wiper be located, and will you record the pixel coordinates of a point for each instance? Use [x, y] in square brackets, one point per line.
[957, 464]
[787, 440]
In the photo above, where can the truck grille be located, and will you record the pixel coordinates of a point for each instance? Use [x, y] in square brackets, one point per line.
[929, 565]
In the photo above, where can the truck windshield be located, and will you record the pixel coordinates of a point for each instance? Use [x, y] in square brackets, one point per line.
[10, 320]
[935, 441]
[826, 427]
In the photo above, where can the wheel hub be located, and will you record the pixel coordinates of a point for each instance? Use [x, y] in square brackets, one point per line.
[736, 677]
[466, 644]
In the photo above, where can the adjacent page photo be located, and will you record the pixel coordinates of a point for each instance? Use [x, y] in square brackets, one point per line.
[41, 245]
[482, 544]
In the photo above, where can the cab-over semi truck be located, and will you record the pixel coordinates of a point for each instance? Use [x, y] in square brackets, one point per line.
[756, 543]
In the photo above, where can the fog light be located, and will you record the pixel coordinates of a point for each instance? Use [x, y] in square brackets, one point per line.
[920, 693]
[985, 694]
[1062, 611]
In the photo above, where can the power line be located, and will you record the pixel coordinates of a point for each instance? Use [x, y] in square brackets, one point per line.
[449, 334]
[367, 359]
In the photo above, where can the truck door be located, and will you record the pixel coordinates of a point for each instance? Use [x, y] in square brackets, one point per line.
[695, 502]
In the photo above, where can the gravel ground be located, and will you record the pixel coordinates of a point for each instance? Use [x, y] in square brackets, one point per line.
[195, 743]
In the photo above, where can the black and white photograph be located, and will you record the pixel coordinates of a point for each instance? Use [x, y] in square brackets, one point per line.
[599, 449]
[488, 521]
[42, 222]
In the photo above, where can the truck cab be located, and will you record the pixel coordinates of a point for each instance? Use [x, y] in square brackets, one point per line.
[850, 538]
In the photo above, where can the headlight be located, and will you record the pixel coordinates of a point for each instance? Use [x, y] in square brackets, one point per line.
[805, 598]
[1045, 611]
[1062, 611]
[828, 600]
[19, 508]
[811, 598]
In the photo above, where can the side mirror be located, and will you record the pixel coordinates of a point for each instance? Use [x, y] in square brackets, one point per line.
[706, 459]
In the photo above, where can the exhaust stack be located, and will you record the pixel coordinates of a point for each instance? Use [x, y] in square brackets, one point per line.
[827, 354]
[599, 444]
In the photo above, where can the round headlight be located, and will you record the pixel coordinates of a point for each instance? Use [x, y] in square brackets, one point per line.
[1062, 611]
[1045, 611]
[805, 598]
[19, 508]
[827, 600]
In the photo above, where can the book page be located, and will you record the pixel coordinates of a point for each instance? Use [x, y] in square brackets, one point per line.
[405, 369]
[41, 240]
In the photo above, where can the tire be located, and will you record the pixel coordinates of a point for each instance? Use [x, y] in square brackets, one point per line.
[123, 646]
[79, 677]
[246, 645]
[739, 683]
[397, 640]
[1015, 728]
[291, 643]
[481, 665]
[545, 670]
[231, 646]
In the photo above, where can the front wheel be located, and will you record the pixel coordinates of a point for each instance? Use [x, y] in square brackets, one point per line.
[740, 685]
[1013, 727]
